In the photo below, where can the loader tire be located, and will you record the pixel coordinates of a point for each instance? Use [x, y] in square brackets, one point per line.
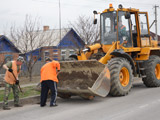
[121, 76]
[152, 71]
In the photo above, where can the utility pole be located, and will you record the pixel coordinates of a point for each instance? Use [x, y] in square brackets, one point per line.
[60, 20]
[156, 29]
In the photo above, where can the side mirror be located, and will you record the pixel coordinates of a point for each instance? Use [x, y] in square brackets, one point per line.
[127, 15]
[120, 6]
[95, 21]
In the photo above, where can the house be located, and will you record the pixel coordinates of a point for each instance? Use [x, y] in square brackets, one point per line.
[8, 50]
[42, 53]
[59, 48]
[70, 43]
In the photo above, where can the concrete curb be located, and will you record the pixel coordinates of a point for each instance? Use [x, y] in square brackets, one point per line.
[24, 101]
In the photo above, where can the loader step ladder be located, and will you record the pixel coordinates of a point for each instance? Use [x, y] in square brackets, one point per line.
[140, 69]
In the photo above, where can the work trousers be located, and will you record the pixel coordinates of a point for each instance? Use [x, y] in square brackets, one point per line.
[7, 92]
[45, 87]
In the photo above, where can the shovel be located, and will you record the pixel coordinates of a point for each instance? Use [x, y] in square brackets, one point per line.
[18, 84]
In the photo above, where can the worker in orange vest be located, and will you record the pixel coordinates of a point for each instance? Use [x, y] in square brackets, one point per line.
[48, 81]
[12, 67]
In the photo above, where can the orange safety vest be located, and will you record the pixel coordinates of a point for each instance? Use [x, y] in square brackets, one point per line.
[121, 27]
[49, 71]
[9, 78]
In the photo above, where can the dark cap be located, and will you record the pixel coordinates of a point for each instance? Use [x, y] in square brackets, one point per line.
[48, 59]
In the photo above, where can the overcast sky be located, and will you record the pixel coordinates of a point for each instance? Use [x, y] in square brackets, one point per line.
[14, 11]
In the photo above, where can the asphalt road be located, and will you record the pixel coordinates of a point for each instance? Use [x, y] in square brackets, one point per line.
[141, 104]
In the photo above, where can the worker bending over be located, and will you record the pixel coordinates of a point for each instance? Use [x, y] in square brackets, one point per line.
[48, 81]
[12, 69]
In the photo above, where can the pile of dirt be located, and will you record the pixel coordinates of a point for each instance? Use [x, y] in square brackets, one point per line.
[79, 74]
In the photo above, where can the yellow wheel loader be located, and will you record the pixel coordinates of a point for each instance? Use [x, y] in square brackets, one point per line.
[126, 50]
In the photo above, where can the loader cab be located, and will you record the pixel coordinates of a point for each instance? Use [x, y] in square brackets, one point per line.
[128, 26]
[115, 26]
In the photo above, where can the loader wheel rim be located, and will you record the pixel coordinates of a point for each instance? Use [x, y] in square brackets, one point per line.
[157, 71]
[124, 77]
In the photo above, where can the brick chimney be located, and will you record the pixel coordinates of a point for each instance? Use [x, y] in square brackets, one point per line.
[45, 28]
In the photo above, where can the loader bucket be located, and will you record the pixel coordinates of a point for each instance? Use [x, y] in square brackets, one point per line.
[101, 87]
[83, 78]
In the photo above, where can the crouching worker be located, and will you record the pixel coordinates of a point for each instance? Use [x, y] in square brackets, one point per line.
[12, 68]
[48, 81]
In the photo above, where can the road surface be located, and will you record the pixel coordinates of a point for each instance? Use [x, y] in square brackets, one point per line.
[141, 104]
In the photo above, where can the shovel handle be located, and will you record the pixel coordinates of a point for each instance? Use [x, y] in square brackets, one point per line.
[18, 84]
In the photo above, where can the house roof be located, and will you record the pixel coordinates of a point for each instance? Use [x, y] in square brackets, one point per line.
[4, 38]
[71, 40]
[54, 36]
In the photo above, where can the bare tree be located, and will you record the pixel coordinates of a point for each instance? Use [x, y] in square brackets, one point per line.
[85, 28]
[28, 38]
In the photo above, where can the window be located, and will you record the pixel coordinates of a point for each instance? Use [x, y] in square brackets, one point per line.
[71, 52]
[134, 30]
[46, 54]
[133, 23]
[145, 38]
[63, 52]
[143, 24]
[123, 27]
[108, 23]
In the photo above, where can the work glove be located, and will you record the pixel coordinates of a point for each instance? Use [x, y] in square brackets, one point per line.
[17, 82]
[10, 70]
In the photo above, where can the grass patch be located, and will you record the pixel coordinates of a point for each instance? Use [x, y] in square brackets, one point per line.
[27, 91]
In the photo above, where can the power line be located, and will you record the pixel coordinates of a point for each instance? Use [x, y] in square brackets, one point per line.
[143, 5]
[44, 1]
[137, 3]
